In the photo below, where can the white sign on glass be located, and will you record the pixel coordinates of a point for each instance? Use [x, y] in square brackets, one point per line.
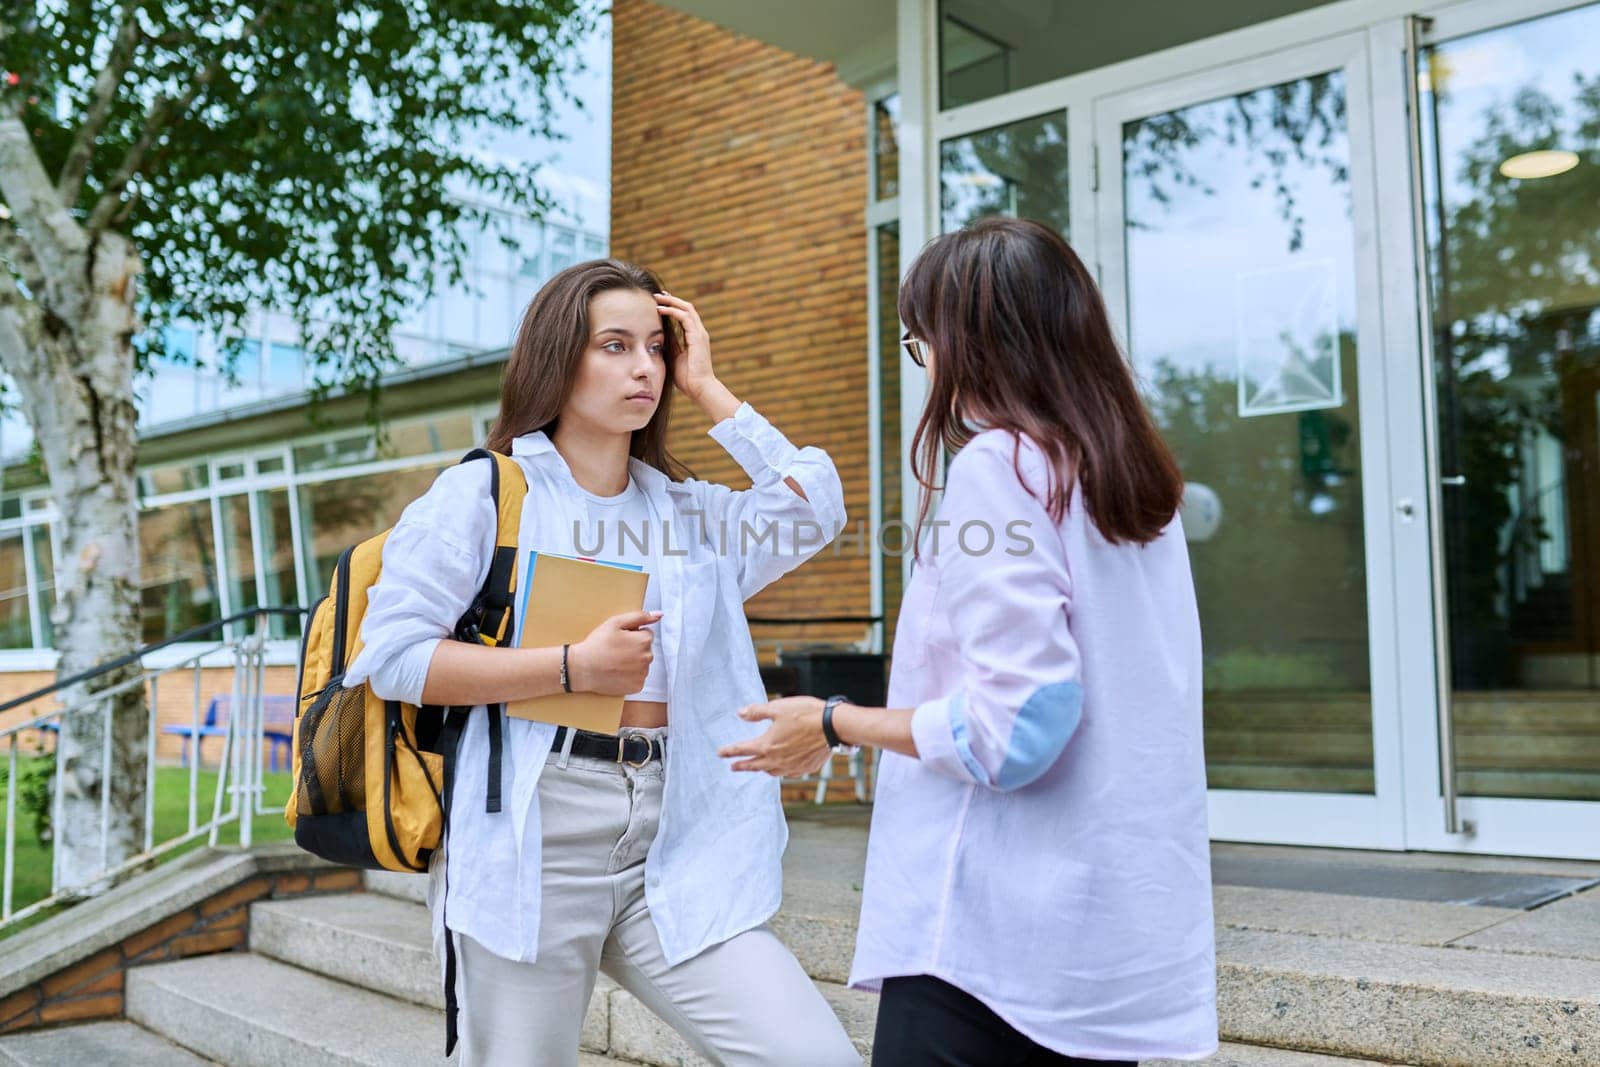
[1288, 339]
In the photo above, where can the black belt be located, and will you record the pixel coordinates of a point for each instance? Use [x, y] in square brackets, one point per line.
[634, 749]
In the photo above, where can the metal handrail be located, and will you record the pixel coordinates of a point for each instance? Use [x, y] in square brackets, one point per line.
[238, 777]
[187, 636]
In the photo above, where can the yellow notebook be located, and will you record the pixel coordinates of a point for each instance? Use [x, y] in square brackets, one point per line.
[565, 598]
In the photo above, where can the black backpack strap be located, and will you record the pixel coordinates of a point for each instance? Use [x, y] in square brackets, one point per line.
[489, 615]
[455, 719]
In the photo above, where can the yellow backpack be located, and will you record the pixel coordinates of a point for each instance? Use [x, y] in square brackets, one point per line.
[370, 774]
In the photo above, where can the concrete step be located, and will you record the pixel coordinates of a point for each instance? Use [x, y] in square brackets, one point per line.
[1335, 995]
[399, 884]
[377, 942]
[250, 1011]
[1258, 1056]
[1437, 1007]
[119, 1042]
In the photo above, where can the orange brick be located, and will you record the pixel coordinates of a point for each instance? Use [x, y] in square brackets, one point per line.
[290, 884]
[233, 920]
[344, 881]
[243, 893]
[80, 973]
[203, 944]
[141, 943]
[105, 1006]
[110, 982]
[20, 1004]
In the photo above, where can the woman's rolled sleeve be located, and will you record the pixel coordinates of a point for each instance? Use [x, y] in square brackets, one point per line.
[433, 565]
[1021, 695]
[769, 528]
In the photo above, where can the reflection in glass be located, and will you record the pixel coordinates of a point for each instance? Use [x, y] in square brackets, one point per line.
[15, 631]
[989, 47]
[886, 148]
[1516, 309]
[178, 569]
[1018, 170]
[335, 515]
[277, 551]
[972, 64]
[1242, 320]
[239, 558]
[44, 568]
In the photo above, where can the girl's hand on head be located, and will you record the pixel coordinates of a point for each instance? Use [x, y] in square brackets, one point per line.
[692, 372]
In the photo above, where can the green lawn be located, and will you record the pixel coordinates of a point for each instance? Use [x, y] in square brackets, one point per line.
[32, 870]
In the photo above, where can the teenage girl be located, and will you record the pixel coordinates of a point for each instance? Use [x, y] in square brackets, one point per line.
[1038, 872]
[634, 854]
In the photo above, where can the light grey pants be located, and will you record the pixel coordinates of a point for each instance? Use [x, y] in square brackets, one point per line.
[745, 1001]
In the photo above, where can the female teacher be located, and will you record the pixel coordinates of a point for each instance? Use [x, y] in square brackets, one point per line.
[1038, 873]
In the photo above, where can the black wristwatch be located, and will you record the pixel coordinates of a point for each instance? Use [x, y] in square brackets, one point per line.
[828, 731]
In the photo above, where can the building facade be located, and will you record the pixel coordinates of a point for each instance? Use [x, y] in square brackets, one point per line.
[1353, 251]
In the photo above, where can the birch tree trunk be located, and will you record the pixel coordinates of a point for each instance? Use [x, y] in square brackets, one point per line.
[67, 342]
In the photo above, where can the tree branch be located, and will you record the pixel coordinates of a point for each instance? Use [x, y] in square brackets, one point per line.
[161, 114]
[49, 229]
[70, 182]
[18, 355]
[15, 249]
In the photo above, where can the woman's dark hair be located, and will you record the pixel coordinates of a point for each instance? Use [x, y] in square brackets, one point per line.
[549, 346]
[1020, 340]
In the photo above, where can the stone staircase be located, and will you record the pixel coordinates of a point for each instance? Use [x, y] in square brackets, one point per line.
[1371, 980]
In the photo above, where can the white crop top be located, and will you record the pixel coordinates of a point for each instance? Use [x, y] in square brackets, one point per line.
[625, 529]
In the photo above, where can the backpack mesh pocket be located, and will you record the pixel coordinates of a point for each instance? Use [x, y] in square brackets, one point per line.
[333, 752]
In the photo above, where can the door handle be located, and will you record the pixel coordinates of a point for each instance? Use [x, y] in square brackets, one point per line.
[1453, 480]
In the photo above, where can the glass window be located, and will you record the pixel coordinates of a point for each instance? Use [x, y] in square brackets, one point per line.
[176, 478]
[239, 554]
[1019, 170]
[1511, 164]
[15, 629]
[44, 568]
[563, 249]
[360, 447]
[227, 472]
[247, 365]
[285, 366]
[335, 515]
[178, 569]
[1251, 369]
[179, 342]
[424, 437]
[10, 506]
[989, 47]
[277, 551]
[886, 148]
[269, 465]
[593, 247]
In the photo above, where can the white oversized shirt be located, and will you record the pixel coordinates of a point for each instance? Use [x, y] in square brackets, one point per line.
[1048, 852]
[714, 869]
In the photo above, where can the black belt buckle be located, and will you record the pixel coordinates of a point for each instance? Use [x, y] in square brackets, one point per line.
[622, 744]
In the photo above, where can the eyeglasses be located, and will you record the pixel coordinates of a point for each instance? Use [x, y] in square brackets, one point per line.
[916, 349]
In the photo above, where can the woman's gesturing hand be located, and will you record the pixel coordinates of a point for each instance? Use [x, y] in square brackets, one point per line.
[692, 371]
[792, 746]
[615, 657]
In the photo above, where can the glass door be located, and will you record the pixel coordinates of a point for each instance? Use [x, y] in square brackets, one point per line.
[1507, 197]
[1236, 241]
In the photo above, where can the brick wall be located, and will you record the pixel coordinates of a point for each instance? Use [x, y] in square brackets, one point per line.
[739, 174]
[92, 988]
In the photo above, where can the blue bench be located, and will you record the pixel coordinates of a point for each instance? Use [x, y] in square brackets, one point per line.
[277, 721]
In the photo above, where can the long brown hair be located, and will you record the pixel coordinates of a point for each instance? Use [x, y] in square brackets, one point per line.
[550, 343]
[1021, 341]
